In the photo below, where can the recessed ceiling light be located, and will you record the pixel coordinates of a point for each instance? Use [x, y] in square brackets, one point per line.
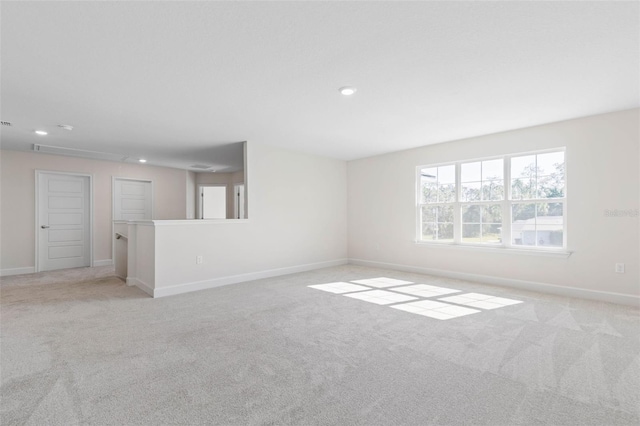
[142, 160]
[348, 90]
[41, 132]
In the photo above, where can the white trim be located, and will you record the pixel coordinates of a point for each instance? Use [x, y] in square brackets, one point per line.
[558, 290]
[37, 213]
[245, 149]
[140, 284]
[189, 222]
[17, 271]
[104, 262]
[546, 252]
[234, 279]
[139, 222]
[237, 202]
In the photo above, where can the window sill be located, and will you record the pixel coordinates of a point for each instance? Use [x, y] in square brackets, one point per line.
[557, 253]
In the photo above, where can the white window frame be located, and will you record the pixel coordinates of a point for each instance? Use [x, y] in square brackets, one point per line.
[506, 203]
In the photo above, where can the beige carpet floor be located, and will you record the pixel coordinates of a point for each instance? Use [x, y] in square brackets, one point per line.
[81, 347]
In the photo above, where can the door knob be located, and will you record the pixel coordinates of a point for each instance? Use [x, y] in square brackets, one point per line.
[44, 226]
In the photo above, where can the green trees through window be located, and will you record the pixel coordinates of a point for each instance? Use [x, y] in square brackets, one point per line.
[468, 202]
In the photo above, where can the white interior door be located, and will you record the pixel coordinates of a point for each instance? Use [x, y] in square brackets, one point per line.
[64, 221]
[132, 199]
[213, 201]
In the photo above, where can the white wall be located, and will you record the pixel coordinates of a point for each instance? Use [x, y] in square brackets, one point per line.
[298, 217]
[17, 173]
[602, 167]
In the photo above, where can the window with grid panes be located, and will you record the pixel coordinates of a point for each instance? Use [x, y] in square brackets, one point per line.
[513, 201]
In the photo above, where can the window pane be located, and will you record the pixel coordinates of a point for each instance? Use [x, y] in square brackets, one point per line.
[446, 193]
[471, 214]
[540, 224]
[428, 231]
[523, 227]
[493, 190]
[549, 224]
[550, 238]
[550, 210]
[492, 169]
[523, 167]
[429, 174]
[550, 163]
[492, 214]
[523, 212]
[551, 186]
[447, 174]
[470, 191]
[429, 185]
[428, 214]
[445, 214]
[471, 172]
[438, 184]
[471, 233]
[522, 189]
[482, 223]
[550, 175]
[429, 192]
[445, 232]
[492, 233]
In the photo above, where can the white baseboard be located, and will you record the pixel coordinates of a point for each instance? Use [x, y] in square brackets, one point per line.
[141, 285]
[234, 279]
[600, 296]
[17, 271]
[32, 269]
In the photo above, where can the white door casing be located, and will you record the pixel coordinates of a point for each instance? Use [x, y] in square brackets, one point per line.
[238, 201]
[63, 221]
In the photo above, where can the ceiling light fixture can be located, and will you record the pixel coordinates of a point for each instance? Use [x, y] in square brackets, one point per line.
[142, 160]
[41, 132]
[348, 90]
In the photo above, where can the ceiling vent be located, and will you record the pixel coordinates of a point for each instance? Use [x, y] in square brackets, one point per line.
[5, 123]
[200, 166]
[95, 155]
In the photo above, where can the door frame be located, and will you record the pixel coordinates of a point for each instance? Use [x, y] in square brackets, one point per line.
[237, 203]
[113, 207]
[199, 198]
[38, 172]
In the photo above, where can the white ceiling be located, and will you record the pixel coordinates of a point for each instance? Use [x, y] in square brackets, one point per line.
[169, 81]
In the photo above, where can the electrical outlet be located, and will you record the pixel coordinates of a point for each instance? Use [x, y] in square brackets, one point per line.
[620, 268]
[198, 260]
